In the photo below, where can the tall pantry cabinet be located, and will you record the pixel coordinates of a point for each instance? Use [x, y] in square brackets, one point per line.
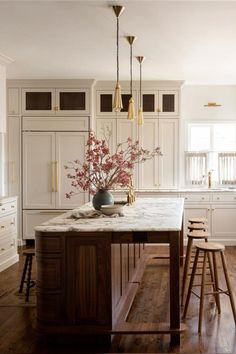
[160, 101]
[48, 125]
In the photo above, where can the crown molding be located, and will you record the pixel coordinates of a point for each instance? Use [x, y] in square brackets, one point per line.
[5, 59]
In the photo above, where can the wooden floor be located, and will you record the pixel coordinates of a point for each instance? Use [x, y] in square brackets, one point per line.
[18, 335]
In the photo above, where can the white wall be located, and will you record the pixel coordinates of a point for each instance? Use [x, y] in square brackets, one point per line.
[2, 98]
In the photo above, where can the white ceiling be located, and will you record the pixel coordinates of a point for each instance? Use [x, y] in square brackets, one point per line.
[181, 40]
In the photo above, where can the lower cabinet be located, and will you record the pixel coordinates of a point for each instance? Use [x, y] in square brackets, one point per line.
[224, 223]
[8, 233]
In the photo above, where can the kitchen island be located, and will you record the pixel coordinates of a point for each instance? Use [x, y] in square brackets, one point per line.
[87, 268]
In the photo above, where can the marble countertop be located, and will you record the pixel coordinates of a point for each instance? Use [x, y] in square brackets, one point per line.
[146, 214]
[180, 190]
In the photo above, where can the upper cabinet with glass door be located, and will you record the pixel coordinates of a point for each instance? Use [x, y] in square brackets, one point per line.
[160, 103]
[55, 101]
[104, 103]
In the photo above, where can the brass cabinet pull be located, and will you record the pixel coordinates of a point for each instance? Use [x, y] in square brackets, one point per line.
[56, 175]
[2, 249]
[53, 176]
[2, 227]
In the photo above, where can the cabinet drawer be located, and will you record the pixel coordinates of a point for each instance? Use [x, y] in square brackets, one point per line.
[7, 208]
[224, 197]
[196, 197]
[7, 243]
[7, 225]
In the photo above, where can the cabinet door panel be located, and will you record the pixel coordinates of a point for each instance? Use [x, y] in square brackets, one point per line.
[168, 164]
[150, 103]
[38, 155]
[72, 101]
[168, 103]
[38, 101]
[88, 263]
[14, 156]
[148, 171]
[13, 101]
[224, 222]
[69, 146]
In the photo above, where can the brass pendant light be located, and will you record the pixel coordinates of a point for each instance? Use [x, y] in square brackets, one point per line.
[131, 109]
[117, 103]
[140, 111]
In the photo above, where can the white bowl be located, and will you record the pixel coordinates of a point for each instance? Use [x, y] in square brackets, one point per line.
[112, 209]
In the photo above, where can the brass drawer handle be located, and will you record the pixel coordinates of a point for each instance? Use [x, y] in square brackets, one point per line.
[2, 249]
[12, 223]
[3, 209]
[12, 206]
[2, 227]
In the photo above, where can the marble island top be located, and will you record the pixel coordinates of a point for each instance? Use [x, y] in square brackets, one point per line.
[146, 214]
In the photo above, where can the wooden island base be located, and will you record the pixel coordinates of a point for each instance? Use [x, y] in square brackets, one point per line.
[86, 282]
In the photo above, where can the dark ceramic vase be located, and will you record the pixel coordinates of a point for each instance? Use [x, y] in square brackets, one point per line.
[102, 197]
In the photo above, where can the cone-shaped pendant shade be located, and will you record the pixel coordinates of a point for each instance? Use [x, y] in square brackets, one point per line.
[140, 116]
[117, 103]
[131, 109]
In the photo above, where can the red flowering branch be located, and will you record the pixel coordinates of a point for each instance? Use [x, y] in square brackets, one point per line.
[103, 170]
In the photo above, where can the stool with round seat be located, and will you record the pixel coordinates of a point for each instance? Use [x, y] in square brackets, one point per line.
[29, 254]
[194, 235]
[210, 249]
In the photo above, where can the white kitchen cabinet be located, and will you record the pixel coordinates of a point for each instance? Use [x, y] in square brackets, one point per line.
[63, 101]
[13, 101]
[160, 103]
[224, 222]
[14, 153]
[168, 163]
[2, 99]
[162, 171]
[104, 103]
[45, 180]
[8, 232]
[148, 171]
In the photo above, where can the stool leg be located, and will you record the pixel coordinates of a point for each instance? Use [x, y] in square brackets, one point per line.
[186, 268]
[217, 296]
[28, 279]
[228, 285]
[202, 294]
[191, 284]
[23, 275]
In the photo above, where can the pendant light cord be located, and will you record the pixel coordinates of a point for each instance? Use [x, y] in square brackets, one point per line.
[131, 71]
[117, 49]
[140, 84]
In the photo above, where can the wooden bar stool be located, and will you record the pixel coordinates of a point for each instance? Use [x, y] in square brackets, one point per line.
[210, 249]
[27, 270]
[194, 235]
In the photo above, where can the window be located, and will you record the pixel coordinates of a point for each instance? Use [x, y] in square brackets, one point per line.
[211, 147]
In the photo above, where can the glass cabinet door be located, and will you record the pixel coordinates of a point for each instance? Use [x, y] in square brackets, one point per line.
[72, 101]
[105, 103]
[38, 101]
[150, 103]
[168, 103]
